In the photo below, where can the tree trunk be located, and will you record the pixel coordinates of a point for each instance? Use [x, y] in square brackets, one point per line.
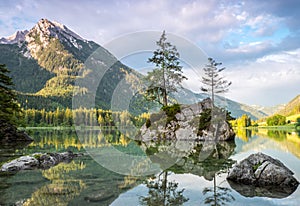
[215, 190]
[164, 186]
[165, 98]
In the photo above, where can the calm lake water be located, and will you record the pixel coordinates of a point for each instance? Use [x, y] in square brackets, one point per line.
[186, 173]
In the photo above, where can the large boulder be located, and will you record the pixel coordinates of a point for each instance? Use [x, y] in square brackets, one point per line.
[37, 161]
[187, 124]
[261, 170]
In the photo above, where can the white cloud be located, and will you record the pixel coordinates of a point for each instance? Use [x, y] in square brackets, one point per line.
[271, 80]
[252, 47]
[264, 24]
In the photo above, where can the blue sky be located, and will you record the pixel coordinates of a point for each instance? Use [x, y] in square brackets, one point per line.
[257, 41]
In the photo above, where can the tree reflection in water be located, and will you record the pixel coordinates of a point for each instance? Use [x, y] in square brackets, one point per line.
[163, 193]
[217, 196]
[207, 159]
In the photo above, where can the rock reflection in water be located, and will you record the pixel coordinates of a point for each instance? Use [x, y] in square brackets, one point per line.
[266, 191]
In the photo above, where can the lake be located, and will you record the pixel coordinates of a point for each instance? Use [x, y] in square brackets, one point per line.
[117, 170]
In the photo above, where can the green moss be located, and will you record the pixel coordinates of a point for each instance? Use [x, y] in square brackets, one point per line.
[37, 156]
[255, 167]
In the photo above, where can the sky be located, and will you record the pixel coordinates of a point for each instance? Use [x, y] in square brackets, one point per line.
[257, 41]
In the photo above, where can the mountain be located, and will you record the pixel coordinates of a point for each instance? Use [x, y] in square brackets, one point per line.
[186, 96]
[270, 110]
[46, 61]
[291, 108]
[19, 36]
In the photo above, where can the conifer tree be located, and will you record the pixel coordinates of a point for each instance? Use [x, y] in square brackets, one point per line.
[167, 75]
[214, 83]
[8, 102]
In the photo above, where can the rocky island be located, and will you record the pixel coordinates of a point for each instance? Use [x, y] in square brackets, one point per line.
[198, 121]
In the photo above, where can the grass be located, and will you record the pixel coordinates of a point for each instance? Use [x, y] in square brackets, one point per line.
[293, 118]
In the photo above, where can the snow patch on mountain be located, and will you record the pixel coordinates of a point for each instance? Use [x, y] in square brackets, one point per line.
[18, 36]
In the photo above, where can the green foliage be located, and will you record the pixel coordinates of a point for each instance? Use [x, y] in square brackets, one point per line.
[255, 167]
[162, 192]
[171, 111]
[55, 58]
[82, 116]
[244, 121]
[279, 135]
[276, 120]
[167, 75]
[204, 121]
[26, 74]
[8, 103]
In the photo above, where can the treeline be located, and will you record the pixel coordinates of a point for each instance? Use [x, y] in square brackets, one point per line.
[243, 121]
[276, 120]
[81, 117]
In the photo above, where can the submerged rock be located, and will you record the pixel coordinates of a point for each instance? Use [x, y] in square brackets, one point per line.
[37, 161]
[261, 170]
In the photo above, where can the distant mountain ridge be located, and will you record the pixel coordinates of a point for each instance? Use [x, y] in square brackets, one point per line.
[291, 108]
[18, 36]
[46, 60]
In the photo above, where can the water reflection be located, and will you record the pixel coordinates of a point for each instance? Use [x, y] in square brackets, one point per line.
[206, 159]
[163, 192]
[267, 191]
[217, 195]
[86, 182]
[62, 189]
[281, 139]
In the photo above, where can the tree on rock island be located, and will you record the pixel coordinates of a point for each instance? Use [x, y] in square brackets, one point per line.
[214, 83]
[167, 75]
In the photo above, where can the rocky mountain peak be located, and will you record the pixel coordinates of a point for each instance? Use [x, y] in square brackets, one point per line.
[44, 31]
[18, 36]
[54, 29]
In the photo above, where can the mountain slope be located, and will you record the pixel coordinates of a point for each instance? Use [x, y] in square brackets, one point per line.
[186, 96]
[28, 76]
[291, 108]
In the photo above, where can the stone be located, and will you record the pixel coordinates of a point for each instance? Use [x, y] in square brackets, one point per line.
[262, 170]
[185, 126]
[37, 161]
[22, 163]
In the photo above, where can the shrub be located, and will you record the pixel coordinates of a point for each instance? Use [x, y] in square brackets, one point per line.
[171, 111]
